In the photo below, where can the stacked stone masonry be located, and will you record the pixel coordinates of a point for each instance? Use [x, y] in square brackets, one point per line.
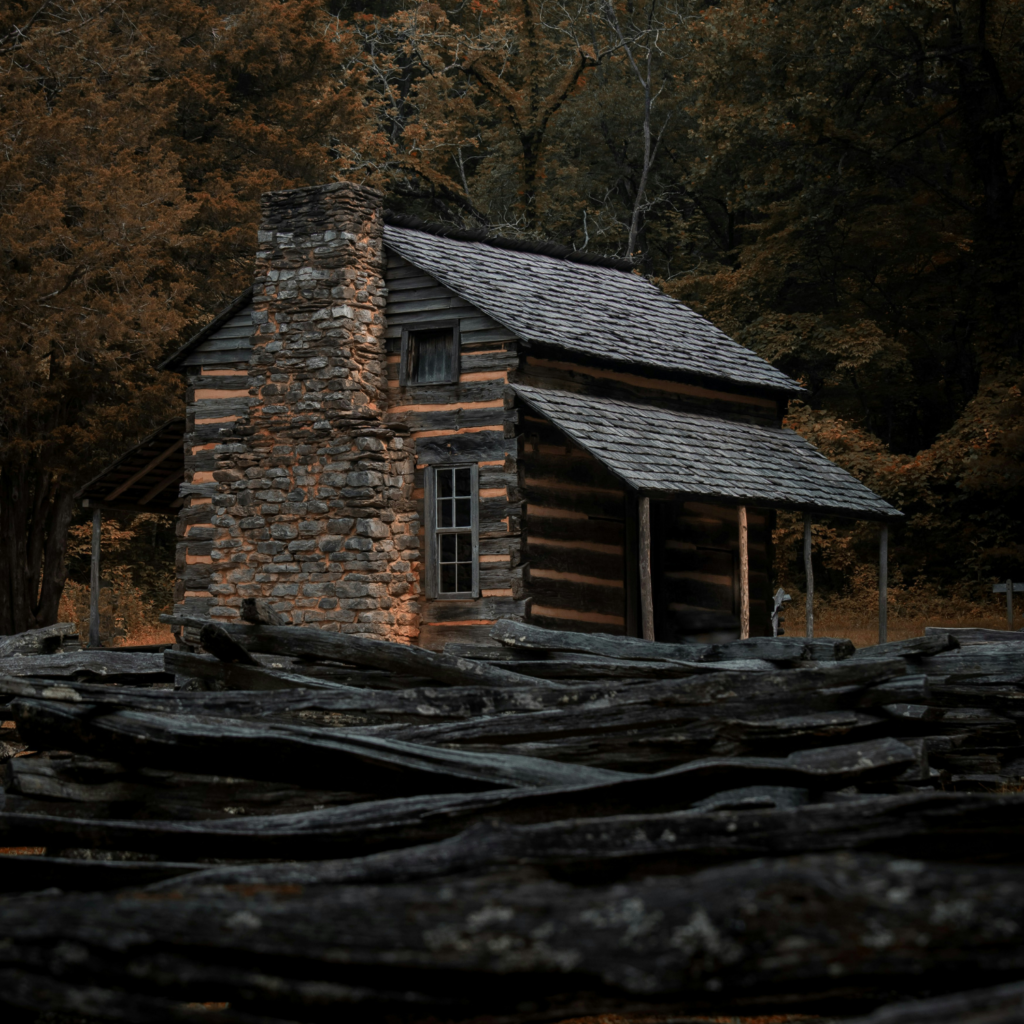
[313, 506]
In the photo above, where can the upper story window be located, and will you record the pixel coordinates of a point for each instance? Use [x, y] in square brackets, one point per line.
[452, 531]
[430, 354]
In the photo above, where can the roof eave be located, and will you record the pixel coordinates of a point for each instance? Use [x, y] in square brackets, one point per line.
[126, 506]
[780, 389]
[834, 511]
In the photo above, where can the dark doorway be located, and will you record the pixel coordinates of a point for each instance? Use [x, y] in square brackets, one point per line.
[695, 572]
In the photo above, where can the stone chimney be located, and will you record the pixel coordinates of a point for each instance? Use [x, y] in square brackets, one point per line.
[314, 510]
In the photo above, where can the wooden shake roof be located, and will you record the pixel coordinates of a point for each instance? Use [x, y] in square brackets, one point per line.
[670, 453]
[598, 308]
[594, 310]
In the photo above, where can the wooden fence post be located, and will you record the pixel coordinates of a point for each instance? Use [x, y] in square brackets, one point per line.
[94, 582]
[1009, 588]
[883, 584]
[646, 591]
[744, 576]
[809, 573]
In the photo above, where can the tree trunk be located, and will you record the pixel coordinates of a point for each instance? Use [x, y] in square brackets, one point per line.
[531, 168]
[985, 108]
[35, 512]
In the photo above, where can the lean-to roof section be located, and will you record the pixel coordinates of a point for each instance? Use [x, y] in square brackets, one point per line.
[594, 311]
[668, 453]
[145, 478]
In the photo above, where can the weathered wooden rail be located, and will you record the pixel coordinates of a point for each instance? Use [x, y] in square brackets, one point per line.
[299, 824]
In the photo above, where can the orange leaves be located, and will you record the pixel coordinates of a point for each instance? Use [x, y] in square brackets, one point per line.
[90, 207]
[134, 144]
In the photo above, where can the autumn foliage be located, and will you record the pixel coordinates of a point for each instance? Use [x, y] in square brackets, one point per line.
[134, 142]
[835, 185]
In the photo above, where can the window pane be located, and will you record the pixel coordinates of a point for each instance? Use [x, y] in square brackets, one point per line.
[444, 502]
[444, 512]
[448, 584]
[431, 354]
[465, 547]
[463, 511]
[447, 546]
[465, 577]
[463, 482]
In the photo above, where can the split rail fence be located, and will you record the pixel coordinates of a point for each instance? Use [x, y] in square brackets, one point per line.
[298, 823]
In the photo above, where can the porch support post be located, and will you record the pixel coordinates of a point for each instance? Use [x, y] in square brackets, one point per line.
[94, 582]
[744, 576]
[883, 583]
[809, 574]
[646, 591]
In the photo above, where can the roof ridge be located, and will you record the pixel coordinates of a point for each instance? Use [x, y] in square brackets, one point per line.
[534, 246]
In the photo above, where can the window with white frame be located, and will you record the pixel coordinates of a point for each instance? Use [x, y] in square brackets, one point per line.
[451, 500]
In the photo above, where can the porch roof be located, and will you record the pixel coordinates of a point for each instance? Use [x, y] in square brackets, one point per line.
[669, 453]
[145, 478]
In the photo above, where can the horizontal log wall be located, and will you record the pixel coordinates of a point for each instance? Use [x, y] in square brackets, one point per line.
[696, 571]
[464, 422]
[574, 535]
[217, 381]
[555, 371]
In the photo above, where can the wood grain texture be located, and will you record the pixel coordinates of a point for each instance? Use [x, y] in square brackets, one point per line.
[278, 752]
[971, 636]
[577, 376]
[744, 574]
[350, 834]
[646, 591]
[711, 690]
[623, 845]
[79, 786]
[359, 651]
[719, 940]
[998, 1005]
[784, 649]
[389, 823]
[112, 665]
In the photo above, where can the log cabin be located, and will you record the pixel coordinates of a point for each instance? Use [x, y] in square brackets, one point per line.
[410, 431]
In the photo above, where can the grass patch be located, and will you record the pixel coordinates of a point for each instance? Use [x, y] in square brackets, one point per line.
[854, 616]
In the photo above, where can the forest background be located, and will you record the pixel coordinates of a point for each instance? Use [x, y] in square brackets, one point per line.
[835, 185]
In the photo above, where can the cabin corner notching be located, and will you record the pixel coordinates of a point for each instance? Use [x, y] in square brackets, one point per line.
[409, 431]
